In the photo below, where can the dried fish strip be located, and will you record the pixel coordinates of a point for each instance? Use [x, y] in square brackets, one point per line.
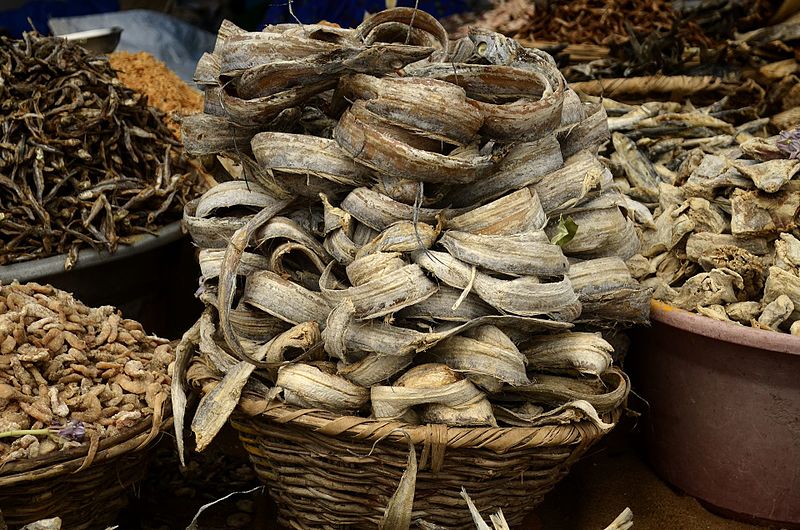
[524, 296]
[308, 386]
[514, 213]
[401, 288]
[372, 147]
[527, 254]
[584, 353]
[301, 154]
[524, 164]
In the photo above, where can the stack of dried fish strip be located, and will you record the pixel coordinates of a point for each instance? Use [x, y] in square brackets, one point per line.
[404, 230]
[718, 208]
[71, 375]
[84, 162]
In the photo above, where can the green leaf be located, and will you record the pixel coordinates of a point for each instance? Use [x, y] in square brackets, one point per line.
[567, 228]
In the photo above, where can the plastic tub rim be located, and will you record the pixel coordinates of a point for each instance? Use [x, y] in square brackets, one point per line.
[724, 331]
[32, 270]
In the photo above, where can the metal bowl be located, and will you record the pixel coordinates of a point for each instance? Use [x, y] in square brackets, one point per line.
[103, 40]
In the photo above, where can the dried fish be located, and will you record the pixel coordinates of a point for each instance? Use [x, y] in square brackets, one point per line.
[85, 162]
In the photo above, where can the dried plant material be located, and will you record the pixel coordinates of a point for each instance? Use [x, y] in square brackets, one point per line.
[607, 291]
[705, 216]
[302, 155]
[748, 266]
[72, 373]
[448, 305]
[398, 512]
[700, 243]
[403, 236]
[787, 251]
[776, 312]
[716, 311]
[372, 147]
[718, 286]
[96, 171]
[638, 267]
[524, 164]
[743, 312]
[623, 522]
[556, 391]
[307, 386]
[780, 282]
[574, 352]
[286, 300]
[795, 328]
[639, 170]
[772, 175]
[378, 211]
[430, 384]
[758, 214]
[401, 288]
[401, 224]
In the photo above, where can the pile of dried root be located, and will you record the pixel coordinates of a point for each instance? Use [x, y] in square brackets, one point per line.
[718, 208]
[84, 161]
[417, 227]
[72, 375]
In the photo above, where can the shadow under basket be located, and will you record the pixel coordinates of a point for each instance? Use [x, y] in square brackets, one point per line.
[338, 472]
[85, 490]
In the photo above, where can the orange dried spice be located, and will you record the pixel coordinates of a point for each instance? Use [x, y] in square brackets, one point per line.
[163, 88]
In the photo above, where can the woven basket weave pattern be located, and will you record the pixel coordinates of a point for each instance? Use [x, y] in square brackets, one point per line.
[345, 481]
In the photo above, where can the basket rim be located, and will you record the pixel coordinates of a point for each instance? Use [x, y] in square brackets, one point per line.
[134, 438]
[496, 439]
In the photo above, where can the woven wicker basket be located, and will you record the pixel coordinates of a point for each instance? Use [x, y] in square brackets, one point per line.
[333, 472]
[86, 487]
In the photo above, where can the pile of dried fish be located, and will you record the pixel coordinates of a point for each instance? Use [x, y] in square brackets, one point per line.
[84, 162]
[717, 207]
[414, 247]
[726, 40]
[72, 375]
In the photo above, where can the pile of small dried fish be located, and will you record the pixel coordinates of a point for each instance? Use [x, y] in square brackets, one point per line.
[72, 375]
[717, 207]
[83, 160]
[417, 226]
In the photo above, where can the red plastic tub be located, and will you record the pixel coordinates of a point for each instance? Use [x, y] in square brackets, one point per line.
[723, 418]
